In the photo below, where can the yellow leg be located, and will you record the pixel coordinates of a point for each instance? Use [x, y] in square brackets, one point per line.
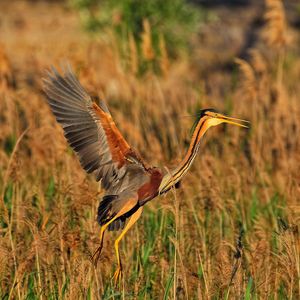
[97, 253]
[131, 202]
[131, 221]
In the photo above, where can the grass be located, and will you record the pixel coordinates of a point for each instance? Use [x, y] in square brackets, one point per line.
[230, 231]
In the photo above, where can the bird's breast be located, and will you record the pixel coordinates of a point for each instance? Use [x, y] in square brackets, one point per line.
[149, 190]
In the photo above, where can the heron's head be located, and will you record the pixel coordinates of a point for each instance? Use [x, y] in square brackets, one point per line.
[210, 117]
[206, 118]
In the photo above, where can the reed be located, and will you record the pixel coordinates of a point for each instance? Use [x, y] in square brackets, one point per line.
[232, 230]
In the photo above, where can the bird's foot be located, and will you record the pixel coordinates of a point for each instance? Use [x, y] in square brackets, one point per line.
[96, 255]
[117, 275]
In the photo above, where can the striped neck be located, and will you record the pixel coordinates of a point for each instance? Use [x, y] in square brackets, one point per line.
[171, 178]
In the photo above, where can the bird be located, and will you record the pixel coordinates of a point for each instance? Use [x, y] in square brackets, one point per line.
[128, 181]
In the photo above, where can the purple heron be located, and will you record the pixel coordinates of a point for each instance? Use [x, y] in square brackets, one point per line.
[129, 182]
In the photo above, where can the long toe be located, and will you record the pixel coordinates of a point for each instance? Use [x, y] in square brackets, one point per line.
[96, 256]
[117, 275]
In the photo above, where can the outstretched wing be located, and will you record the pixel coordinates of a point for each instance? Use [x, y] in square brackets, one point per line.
[91, 131]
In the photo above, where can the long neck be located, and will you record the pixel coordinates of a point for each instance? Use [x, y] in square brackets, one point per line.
[172, 177]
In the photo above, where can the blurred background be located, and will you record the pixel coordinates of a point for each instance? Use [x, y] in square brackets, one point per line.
[232, 230]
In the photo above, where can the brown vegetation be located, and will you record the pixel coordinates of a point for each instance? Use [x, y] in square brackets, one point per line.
[232, 230]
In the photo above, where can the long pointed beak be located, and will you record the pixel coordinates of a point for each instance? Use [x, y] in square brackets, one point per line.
[234, 121]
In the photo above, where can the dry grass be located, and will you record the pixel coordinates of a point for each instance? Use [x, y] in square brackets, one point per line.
[232, 231]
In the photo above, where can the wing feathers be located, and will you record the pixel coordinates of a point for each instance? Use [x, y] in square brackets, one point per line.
[69, 89]
[60, 90]
[117, 144]
[89, 128]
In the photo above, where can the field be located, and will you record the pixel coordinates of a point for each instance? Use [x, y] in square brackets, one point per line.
[232, 229]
